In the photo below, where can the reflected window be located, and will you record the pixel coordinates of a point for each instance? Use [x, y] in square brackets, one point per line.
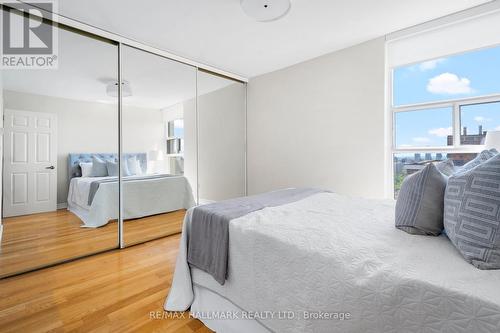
[175, 136]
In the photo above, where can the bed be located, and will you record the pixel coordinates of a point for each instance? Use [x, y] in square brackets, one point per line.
[142, 195]
[332, 263]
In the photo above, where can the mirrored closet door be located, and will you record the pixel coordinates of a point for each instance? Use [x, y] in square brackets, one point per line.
[59, 133]
[221, 137]
[159, 178]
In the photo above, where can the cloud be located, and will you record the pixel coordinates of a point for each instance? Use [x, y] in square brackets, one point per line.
[441, 131]
[481, 119]
[421, 139]
[431, 64]
[449, 84]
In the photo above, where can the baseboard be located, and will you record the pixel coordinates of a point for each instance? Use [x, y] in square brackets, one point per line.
[1, 231]
[62, 205]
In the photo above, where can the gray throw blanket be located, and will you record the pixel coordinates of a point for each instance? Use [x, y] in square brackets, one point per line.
[94, 186]
[209, 236]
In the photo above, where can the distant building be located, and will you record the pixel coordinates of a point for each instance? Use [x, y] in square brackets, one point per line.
[469, 139]
[407, 166]
[466, 139]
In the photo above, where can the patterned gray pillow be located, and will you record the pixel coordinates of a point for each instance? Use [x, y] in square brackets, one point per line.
[419, 207]
[446, 167]
[480, 158]
[472, 213]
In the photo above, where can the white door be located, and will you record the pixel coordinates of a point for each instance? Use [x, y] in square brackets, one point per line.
[30, 162]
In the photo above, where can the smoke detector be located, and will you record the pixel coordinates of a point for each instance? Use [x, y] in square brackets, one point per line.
[266, 10]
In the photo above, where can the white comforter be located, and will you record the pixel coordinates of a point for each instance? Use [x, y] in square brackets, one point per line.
[142, 197]
[333, 253]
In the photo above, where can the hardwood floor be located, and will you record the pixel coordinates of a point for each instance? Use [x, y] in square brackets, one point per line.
[151, 227]
[116, 291]
[38, 240]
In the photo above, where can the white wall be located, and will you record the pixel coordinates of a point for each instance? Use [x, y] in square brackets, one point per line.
[221, 123]
[320, 123]
[221, 142]
[88, 127]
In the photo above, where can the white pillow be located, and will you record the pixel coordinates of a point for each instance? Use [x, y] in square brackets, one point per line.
[86, 169]
[134, 166]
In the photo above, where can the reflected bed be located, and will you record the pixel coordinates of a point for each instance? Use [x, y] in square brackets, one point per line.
[95, 199]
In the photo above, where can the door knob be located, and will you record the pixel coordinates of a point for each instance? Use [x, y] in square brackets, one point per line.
[51, 167]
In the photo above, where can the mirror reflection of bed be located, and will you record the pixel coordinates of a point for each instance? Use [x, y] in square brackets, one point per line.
[182, 137]
[60, 203]
[154, 201]
[80, 205]
[56, 121]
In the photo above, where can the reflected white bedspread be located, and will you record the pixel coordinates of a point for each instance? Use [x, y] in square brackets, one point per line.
[339, 254]
[141, 198]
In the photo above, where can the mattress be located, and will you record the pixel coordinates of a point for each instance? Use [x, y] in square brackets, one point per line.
[79, 189]
[141, 197]
[340, 257]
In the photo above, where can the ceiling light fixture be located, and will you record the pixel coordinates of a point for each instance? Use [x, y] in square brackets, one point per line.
[112, 89]
[266, 10]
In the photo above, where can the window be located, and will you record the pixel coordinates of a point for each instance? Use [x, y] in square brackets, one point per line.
[424, 128]
[176, 128]
[465, 75]
[442, 109]
[175, 137]
[476, 120]
[405, 164]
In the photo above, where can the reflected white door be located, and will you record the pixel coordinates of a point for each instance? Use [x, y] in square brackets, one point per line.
[30, 162]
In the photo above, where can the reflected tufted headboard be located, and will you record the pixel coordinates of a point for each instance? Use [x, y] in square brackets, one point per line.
[75, 159]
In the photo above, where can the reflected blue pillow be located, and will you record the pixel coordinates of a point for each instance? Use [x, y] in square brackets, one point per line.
[112, 168]
[99, 168]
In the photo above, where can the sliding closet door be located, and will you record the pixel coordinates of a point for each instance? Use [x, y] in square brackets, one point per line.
[61, 125]
[221, 138]
[158, 143]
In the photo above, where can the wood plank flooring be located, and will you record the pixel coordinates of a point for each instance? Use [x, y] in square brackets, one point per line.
[38, 240]
[114, 291]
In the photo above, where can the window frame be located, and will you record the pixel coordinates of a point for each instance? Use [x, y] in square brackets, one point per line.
[454, 104]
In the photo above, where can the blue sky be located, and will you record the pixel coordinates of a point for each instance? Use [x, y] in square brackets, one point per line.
[178, 128]
[471, 74]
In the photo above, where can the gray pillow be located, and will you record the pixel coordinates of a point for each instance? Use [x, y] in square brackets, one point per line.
[472, 213]
[446, 167]
[419, 207]
[99, 168]
[113, 169]
[480, 158]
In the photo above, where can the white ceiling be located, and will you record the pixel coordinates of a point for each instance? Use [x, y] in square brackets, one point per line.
[87, 65]
[218, 33]
[214, 32]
